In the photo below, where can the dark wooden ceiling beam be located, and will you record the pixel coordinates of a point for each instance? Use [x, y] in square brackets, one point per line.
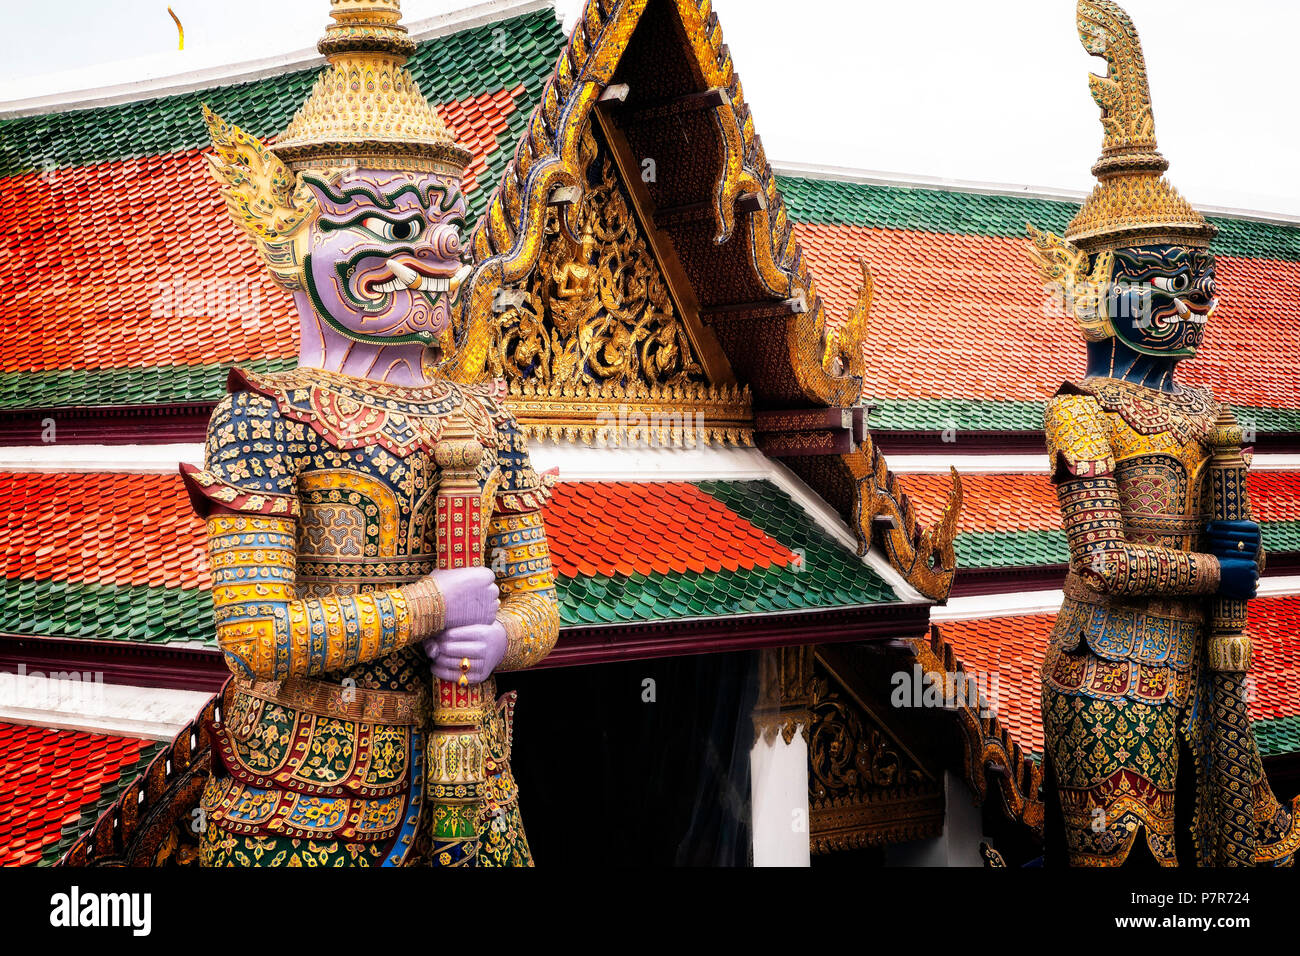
[660, 110]
[805, 431]
[759, 309]
[667, 217]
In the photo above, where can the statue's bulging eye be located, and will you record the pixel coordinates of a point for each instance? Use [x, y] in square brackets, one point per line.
[404, 231]
[1173, 285]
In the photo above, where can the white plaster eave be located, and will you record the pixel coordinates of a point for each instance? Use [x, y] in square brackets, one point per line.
[967, 464]
[78, 701]
[1020, 603]
[998, 605]
[134, 459]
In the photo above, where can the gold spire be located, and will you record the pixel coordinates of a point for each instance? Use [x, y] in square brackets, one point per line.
[1132, 203]
[366, 109]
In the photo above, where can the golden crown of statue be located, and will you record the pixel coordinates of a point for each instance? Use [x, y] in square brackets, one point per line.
[1132, 203]
[366, 109]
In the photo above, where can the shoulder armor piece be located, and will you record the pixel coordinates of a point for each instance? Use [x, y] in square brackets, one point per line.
[208, 491]
[1077, 446]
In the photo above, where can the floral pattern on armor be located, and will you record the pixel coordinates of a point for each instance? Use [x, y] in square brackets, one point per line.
[1123, 680]
[1116, 774]
[318, 606]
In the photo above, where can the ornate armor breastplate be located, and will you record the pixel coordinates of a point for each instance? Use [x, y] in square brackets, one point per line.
[1154, 446]
[365, 482]
[1160, 446]
[335, 754]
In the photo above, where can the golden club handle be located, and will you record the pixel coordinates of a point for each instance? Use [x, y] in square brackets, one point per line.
[1229, 648]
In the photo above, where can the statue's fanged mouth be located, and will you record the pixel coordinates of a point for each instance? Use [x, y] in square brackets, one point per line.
[396, 275]
[1195, 315]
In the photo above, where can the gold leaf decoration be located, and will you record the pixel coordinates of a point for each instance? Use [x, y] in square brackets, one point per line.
[597, 309]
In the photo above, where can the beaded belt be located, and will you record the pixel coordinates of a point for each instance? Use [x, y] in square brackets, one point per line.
[1190, 609]
[396, 708]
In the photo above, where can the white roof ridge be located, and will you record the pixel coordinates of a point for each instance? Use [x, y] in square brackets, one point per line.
[976, 607]
[871, 177]
[484, 12]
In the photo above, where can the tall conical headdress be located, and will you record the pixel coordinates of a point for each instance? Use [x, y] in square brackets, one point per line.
[366, 109]
[1132, 203]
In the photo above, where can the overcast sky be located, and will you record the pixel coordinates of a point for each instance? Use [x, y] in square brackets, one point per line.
[991, 90]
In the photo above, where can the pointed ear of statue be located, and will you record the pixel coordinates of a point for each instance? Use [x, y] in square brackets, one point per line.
[270, 203]
[1063, 268]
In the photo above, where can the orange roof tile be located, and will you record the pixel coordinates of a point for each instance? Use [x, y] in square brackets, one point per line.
[100, 527]
[630, 527]
[963, 316]
[50, 778]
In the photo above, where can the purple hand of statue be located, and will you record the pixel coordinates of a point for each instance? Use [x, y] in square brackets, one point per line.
[472, 631]
[471, 596]
[483, 645]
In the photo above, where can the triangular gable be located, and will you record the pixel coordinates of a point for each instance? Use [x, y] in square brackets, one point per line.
[646, 91]
[655, 81]
[746, 345]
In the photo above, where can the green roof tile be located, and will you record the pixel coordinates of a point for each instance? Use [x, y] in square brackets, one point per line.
[1010, 549]
[1281, 535]
[1279, 736]
[159, 384]
[153, 615]
[925, 209]
[1029, 549]
[457, 66]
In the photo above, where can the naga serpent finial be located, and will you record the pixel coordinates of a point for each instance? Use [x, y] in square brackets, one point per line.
[1132, 205]
[1123, 95]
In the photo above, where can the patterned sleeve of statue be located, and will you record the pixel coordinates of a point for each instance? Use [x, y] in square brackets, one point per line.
[246, 494]
[518, 550]
[1083, 469]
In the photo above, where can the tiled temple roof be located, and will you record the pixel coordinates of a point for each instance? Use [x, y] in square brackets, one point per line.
[457, 66]
[959, 316]
[1013, 520]
[114, 556]
[57, 783]
[1013, 647]
[145, 285]
[118, 247]
[958, 313]
[930, 209]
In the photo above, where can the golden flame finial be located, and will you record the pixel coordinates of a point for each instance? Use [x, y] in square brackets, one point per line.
[1125, 100]
[366, 109]
[1132, 203]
